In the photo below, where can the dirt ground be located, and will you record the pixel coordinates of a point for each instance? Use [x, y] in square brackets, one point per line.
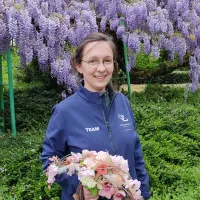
[141, 87]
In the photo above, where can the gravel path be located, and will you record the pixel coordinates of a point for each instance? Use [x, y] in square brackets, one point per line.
[141, 87]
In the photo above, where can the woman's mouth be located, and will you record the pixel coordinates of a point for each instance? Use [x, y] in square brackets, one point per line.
[100, 77]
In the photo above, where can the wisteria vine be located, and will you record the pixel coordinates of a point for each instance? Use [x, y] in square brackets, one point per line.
[45, 29]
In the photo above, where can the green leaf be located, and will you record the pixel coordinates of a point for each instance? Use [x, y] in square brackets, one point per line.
[93, 190]
[81, 163]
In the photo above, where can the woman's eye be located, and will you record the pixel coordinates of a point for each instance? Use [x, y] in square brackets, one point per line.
[108, 61]
[92, 61]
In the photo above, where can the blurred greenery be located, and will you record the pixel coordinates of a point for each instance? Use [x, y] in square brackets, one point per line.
[146, 61]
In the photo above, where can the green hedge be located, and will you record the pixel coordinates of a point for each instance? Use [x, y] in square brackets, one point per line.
[33, 103]
[21, 174]
[169, 128]
[171, 78]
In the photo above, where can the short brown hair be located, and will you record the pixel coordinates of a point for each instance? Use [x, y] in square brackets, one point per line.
[93, 37]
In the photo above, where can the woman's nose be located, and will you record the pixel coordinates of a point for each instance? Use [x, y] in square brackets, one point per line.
[101, 67]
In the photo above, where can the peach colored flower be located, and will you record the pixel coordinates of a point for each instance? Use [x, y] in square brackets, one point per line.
[89, 162]
[86, 153]
[76, 157]
[68, 160]
[101, 170]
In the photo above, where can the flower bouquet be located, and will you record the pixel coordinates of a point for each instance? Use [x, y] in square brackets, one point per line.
[100, 173]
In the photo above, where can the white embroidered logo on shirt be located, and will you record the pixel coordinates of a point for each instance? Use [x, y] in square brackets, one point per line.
[92, 129]
[122, 118]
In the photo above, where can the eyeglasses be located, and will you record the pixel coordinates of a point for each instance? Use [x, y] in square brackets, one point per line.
[94, 63]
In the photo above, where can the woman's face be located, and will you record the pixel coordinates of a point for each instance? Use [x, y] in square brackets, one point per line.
[96, 79]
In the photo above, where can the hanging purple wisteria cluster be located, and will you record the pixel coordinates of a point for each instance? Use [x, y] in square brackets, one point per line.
[45, 29]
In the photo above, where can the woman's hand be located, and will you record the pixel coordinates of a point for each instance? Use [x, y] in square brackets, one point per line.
[88, 195]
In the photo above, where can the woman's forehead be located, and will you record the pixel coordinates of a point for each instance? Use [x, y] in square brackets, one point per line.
[98, 48]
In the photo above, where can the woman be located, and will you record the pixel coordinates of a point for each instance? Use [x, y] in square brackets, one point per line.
[95, 117]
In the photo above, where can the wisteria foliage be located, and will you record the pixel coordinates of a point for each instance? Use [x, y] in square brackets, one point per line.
[44, 29]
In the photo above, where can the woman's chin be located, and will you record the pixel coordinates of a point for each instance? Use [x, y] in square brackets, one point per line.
[101, 87]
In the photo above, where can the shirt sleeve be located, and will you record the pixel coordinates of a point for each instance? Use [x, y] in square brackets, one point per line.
[55, 144]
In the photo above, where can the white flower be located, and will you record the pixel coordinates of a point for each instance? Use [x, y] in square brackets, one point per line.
[124, 165]
[77, 166]
[62, 169]
[89, 182]
[101, 155]
[84, 172]
[121, 162]
[99, 186]
[116, 160]
[133, 184]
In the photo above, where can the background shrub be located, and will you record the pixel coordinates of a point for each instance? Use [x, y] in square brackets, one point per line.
[169, 128]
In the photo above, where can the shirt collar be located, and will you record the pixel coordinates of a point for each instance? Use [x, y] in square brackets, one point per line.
[94, 97]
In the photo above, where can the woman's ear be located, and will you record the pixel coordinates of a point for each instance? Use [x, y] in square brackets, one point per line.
[79, 69]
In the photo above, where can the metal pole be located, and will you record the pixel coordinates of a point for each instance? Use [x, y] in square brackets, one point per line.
[11, 93]
[2, 127]
[126, 63]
